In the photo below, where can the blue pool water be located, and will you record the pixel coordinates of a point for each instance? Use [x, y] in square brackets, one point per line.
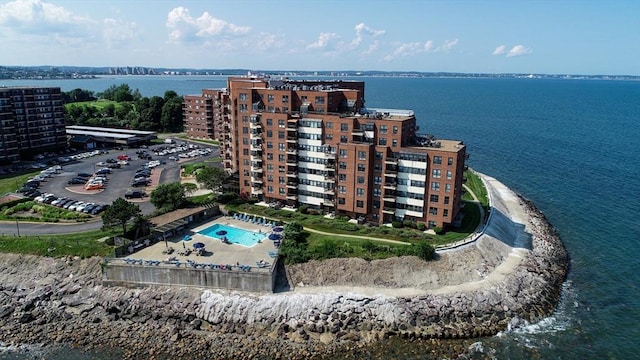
[234, 235]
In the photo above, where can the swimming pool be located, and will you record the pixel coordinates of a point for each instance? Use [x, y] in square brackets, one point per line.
[234, 235]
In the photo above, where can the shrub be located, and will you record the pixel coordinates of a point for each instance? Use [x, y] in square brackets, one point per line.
[303, 209]
[438, 230]
[421, 226]
[409, 223]
[396, 224]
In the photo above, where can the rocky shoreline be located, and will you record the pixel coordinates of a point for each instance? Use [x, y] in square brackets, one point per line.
[62, 302]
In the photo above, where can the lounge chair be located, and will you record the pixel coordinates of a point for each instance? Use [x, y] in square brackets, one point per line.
[273, 254]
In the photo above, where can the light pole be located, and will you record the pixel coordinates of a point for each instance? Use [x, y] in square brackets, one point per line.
[18, 227]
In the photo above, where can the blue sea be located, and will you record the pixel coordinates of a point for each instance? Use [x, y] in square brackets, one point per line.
[571, 146]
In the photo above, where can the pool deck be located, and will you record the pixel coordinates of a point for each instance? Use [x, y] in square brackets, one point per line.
[216, 252]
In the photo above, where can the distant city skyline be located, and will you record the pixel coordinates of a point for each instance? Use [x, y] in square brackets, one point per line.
[541, 37]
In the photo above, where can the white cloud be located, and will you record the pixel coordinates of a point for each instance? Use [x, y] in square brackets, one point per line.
[415, 48]
[362, 30]
[36, 17]
[269, 41]
[323, 41]
[449, 44]
[500, 50]
[117, 31]
[185, 27]
[519, 50]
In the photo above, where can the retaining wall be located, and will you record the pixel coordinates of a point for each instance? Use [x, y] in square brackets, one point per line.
[117, 274]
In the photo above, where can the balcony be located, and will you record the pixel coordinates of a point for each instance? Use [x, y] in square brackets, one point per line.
[255, 136]
[391, 160]
[329, 191]
[389, 198]
[292, 151]
[255, 170]
[256, 147]
[388, 210]
[257, 192]
[292, 127]
[293, 139]
[256, 180]
[390, 185]
[292, 185]
[292, 196]
[330, 166]
[328, 203]
[357, 132]
[292, 162]
[255, 125]
[255, 120]
[293, 174]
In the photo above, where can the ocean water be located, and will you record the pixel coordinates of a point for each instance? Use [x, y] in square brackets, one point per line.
[571, 146]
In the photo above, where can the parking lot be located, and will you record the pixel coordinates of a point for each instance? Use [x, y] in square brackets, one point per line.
[120, 180]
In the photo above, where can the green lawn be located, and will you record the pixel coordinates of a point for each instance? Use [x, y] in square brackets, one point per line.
[477, 186]
[84, 244]
[204, 141]
[98, 104]
[13, 183]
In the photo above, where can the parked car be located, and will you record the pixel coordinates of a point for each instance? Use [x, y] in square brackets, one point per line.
[64, 202]
[98, 209]
[87, 209]
[77, 181]
[102, 163]
[103, 171]
[112, 161]
[114, 166]
[49, 199]
[94, 186]
[83, 175]
[124, 157]
[132, 194]
[139, 183]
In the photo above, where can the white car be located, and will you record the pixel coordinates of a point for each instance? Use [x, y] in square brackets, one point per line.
[123, 162]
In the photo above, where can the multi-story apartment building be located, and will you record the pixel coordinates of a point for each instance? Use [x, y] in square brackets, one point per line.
[313, 142]
[31, 122]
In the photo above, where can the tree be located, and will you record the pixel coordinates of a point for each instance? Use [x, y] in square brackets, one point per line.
[168, 197]
[119, 214]
[210, 177]
[171, 117]
[189, 188]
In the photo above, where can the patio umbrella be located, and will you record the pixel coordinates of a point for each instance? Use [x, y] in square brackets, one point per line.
[278, 229]
[198, 245]
[221, 232]
[275, 237]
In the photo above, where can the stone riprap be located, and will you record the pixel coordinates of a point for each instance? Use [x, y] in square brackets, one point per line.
[335, 304]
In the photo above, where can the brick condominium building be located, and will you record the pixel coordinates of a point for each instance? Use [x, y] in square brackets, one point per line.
[296, 142]
[31, 122]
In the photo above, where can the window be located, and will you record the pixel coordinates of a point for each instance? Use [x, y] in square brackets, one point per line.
[282, 180]
[342, 189]
[360, 192]
[433, 211]
[359, 204]
[280, 123]
[382, 141]
[245, 119]
[394, 142]
[376, 192]
[269, 167]
[447, 187]
[281, 157]
[445, 212]
[341, 201]
[244, 108]
[344, 127]
[395, 130]
[245, 151]
[281, 169]
[378, 155]
[342, 177]
[344, 139]
[450, 161]
[280, 134]
[361, 167]
[343, 153]
[362, 155]
[434, 198]
[360, 179]
[328, 136]
[270, 178]
[329, 125]
[343, 165]
[449, 174]
[282, 146]
[383, 129]
[435, 173]
[377, 180]
[435, 186]
[243, 97]
[269, 145]
[245, 141]
[282, 191]
[437, 160]
[303, 98]
[270, 189]
[446, 200]
[269, 122]
[319, 100]
[285, 98]
[245, 130]
[270, 98]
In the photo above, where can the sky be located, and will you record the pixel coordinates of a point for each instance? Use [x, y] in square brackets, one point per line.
[590, 37]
